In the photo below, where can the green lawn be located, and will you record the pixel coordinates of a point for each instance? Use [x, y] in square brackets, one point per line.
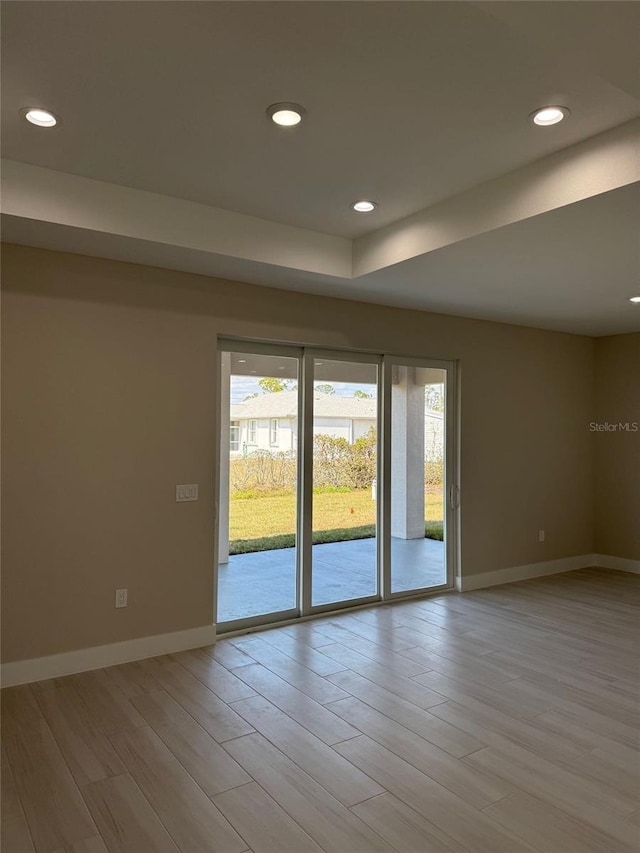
[267, 522]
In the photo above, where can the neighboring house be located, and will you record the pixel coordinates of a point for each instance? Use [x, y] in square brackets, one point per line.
[433, 435]
[270, 422]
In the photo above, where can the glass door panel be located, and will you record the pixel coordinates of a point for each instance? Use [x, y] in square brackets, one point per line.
[257, 573]
[312, 461]
[345, 452]
[418, 484]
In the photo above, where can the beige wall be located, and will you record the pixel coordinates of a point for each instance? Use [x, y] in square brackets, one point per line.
[110, 399]
[617, 452]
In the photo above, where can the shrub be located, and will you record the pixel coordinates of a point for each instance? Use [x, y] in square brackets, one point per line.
[329, 459]
[262, 471]
[434, 473]
[339, 465]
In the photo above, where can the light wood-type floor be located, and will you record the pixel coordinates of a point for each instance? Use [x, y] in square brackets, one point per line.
[498, 721]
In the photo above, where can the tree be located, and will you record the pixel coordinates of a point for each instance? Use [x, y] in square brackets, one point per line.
[326, 389]
[362, 395]
[272, 385]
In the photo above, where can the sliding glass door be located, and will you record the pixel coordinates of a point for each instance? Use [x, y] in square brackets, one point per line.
[344, 564]
[418, 475]
[336, 480]
[257, 533]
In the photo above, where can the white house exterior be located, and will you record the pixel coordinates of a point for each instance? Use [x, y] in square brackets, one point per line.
[433, 435]
[270, 422]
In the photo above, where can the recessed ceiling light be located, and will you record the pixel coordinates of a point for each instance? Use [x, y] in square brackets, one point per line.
[242, 361]
[39, 117]
[363, 206]
[634, 299]
[546, 116]
[286, 115]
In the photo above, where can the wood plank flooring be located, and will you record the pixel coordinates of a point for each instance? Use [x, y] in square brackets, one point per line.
[505, 720]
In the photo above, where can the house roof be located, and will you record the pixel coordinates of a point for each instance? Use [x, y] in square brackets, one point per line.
[284, 404]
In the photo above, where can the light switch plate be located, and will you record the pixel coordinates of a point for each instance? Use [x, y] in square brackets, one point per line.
[187, 492]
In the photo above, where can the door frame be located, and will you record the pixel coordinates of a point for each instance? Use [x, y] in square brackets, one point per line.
[306, 573]
[451, 489]
[230, 345]
[304, 492]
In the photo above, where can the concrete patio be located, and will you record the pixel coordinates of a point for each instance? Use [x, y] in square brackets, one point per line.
[264, 582]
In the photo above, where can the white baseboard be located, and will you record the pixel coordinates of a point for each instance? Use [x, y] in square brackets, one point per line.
[522, 573]
[550, 567]
[621, 564]
[96, 657]
[68, 663]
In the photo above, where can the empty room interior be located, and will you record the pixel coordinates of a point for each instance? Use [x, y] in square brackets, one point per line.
[360, 283]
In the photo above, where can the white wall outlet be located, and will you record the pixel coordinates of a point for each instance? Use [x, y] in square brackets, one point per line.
[121, 597]
[188, 492]
[540, 535]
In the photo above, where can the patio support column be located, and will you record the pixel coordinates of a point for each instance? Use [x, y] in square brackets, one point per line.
[225, 443]
[407, 455]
